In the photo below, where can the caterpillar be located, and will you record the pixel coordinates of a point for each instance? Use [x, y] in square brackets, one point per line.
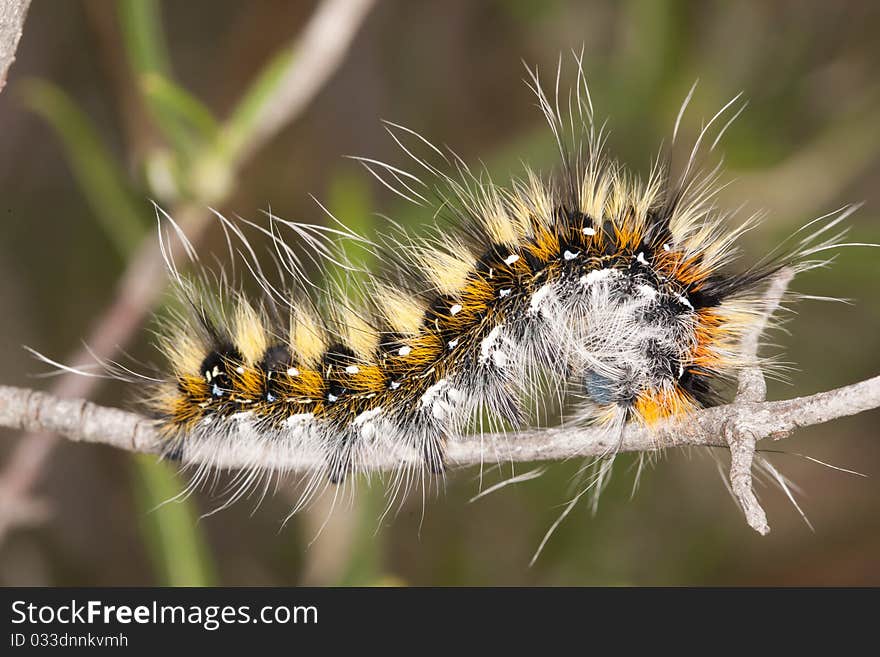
[617, 295]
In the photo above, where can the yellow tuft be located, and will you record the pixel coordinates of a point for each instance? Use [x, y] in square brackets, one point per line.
[403, 314]
[307, 336]
[499, 226]
[184, 351]
[358, 334]
[249, 333]
[594, 193]
[448, 272]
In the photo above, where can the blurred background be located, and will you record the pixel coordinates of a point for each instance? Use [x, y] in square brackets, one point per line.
[111, 104]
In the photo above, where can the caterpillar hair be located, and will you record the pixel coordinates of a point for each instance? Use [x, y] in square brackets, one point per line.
[621, 298]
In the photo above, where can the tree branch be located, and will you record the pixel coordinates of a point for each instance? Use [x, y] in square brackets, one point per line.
[83, 421]
[12, 15]
[752, 388]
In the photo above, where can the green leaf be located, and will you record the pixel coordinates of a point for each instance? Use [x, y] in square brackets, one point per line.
[174, 111]
[187, 116]
[144, 40]
[98, 175]
[350, 200]
[176, 547]
[247, 114]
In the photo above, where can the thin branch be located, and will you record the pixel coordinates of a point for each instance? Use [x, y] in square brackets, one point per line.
[742, 455]
[318, 52]
[145, 278]
[752, 388]
[82, 421]
[12, 15]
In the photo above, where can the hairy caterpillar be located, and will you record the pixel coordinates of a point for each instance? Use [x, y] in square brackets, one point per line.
[591, 285]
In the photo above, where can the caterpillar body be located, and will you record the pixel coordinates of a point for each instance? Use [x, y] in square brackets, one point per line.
[592, 285]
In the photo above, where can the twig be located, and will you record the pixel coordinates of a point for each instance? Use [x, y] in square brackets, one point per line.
[742, 455]
[12, 15]
[317, 53]
[83, 421]
[752, 388]
[145, 278]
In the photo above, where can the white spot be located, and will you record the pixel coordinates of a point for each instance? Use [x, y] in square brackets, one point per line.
[568, 255]
[432, 392]
[641, 258]
[441, 398]
[595, 276]
[666, 247]
[489, 342]
[680, 371]
[298, 419]
[684, 300]
[589, 231]
[647, 291]
[216, 391]
[331, 397]
[352, 369]
[270, 397]
[541, 301]
[239, 369]
[292, 371]
[490, 348]
[505, 292]
[404, 351]
[394, 385]
[241, 416]
[366, 425]
[509, 260]
[366, 416]
[452, 344]
[455, 309]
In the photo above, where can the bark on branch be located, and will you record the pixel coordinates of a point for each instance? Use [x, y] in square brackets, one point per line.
[752, 389]
[12, 15]
[83, 421]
